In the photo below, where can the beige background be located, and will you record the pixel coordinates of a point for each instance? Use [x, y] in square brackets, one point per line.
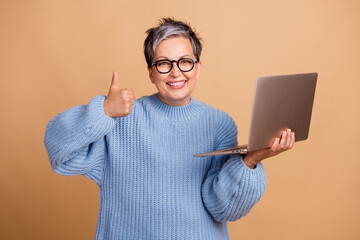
[58, 54]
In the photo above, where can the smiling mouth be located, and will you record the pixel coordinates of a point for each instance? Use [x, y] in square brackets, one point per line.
[176, 84]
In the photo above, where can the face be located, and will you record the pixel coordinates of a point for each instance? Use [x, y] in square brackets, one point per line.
[175, 87]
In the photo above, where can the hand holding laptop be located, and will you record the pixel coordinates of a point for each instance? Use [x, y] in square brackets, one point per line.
[281, 144]
[281, 103]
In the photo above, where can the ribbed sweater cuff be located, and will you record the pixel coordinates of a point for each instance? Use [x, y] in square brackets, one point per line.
[236, 168]
[249, 186]
[251, 182]
[235, 190]
[98, 124]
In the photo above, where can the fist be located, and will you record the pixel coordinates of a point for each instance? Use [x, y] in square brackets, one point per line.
[119, 102]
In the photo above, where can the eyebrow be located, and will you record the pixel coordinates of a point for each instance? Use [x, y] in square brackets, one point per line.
[186, 55]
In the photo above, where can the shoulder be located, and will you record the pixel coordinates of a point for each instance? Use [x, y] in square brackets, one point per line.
[224, 124]
[222, 118]
[142, 103]
[225, 127]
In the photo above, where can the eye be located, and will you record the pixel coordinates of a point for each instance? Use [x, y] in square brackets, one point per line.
[186, 61]
[164, 63]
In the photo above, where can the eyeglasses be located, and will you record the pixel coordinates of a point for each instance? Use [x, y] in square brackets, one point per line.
[184, 64]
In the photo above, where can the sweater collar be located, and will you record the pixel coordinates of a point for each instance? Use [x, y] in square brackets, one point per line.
[180, 113]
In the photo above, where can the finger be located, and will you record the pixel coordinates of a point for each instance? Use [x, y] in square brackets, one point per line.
[275, 145]
[133, 97]
[288, 138]
[283, 139]
[131, 92]
[114, 82]
[292, 139]
[126, 93]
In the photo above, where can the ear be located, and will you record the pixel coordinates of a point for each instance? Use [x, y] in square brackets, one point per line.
[199, 67]
[151, 75]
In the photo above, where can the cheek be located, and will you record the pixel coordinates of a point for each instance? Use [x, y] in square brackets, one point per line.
[191, 76]
[159, 81]
[155, 78]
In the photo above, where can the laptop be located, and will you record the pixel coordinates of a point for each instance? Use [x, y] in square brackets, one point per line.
[280, 102]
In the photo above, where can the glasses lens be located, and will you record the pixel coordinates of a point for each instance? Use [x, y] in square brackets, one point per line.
[163, 66]
[186, 64]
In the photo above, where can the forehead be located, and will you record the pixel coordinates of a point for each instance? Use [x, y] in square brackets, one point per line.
[174, 48]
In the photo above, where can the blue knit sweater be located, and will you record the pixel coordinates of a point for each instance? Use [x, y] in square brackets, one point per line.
[151, 186]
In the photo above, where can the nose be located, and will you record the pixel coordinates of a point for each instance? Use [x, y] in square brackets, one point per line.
[175, 71]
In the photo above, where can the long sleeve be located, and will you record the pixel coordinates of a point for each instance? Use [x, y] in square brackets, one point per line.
[150, 184]
[230, 188]
[75, 140]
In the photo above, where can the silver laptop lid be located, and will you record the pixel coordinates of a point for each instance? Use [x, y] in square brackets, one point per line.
[281, 102]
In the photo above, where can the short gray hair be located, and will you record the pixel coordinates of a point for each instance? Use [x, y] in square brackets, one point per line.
[168, 28]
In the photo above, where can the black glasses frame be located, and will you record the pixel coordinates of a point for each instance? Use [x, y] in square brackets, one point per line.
[177, 64]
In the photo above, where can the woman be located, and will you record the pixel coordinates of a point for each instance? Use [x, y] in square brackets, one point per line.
[140, 152]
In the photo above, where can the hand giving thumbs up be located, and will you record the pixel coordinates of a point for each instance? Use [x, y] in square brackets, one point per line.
[119, 102]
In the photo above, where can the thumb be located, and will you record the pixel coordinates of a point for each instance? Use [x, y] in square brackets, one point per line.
[114, 83]
[115, 80]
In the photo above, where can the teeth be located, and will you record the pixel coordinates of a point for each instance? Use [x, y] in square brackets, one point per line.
[177, 84]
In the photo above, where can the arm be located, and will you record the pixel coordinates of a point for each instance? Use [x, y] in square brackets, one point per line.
[75, 139]
[230, 188]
